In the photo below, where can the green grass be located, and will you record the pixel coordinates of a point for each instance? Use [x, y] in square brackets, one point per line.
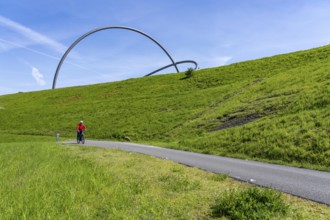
[44, 180]
[251, 203]
[274, 109]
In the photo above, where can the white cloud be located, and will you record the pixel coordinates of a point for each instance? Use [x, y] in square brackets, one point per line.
[8, 45]
[4, 46]
[207, 62]
[32, 35]
[220, 61]
[38, 77]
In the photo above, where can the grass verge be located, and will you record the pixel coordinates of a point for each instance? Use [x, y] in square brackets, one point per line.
[42, 180]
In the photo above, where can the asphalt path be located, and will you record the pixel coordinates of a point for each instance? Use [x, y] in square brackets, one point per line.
[310, 184]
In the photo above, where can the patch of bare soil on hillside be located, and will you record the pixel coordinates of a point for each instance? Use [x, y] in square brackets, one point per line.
[236, 121]
[239, 118]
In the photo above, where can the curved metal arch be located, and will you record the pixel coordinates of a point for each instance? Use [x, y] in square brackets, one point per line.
[176, 63]
[101, 29]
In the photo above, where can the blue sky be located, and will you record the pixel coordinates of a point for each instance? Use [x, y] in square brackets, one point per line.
[35, 34]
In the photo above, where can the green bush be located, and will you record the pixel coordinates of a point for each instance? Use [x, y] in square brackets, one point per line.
[189, 72]
[251, 203]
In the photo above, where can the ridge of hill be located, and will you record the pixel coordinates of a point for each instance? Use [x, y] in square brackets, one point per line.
[272, 109]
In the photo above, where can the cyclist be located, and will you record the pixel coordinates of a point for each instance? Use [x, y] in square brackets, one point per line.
[80, 128]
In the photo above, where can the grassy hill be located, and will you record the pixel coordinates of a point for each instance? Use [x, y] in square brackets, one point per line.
[273, 109]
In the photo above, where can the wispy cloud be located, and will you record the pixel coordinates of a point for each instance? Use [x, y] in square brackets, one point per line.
[222, 60]
[38, 77]
[208, 61]
[34, 38]
[16, 45]
[4, 46]
[9, 44]
[32, 35]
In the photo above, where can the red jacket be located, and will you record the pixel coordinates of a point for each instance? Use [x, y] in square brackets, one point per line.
[81, 127]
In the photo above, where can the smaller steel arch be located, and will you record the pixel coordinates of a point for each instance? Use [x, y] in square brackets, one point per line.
[176, 63]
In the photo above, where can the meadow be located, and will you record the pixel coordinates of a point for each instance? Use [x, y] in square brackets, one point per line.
[41, 179]
[275, 109]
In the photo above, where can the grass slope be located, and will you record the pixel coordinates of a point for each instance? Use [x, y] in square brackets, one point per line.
[273, 109]
[44, 180]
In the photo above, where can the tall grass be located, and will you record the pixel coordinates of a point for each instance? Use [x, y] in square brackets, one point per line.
[251, 203]
[43, 180]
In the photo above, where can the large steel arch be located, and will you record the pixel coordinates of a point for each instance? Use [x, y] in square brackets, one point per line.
[101, 29]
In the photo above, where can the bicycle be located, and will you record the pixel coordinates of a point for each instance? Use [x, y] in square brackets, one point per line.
[80, 137]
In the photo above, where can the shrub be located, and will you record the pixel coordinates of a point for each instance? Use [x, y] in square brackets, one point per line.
[251, 203]
[189, 72]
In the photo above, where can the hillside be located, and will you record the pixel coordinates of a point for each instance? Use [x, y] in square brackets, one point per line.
[273, 109]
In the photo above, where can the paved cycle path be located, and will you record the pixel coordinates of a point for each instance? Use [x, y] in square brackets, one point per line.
[305, 183]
